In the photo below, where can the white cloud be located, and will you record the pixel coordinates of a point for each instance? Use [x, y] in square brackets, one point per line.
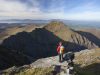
[14, 9]
[31, 15]
[84, 16]
[56, 6]
[86, 11]
[11, 6]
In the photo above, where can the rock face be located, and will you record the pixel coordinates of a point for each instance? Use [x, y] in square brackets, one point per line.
[87, 60]
[42, 42]
[87, 57]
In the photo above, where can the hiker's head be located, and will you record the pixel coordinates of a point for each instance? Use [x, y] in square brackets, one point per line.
[60, 43]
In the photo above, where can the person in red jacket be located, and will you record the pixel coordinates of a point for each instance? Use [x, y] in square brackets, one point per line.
[60, 50]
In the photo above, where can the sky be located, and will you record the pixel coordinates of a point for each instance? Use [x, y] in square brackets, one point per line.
[88, 10]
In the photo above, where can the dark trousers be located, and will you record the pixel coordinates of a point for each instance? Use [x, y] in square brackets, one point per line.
[60, 57]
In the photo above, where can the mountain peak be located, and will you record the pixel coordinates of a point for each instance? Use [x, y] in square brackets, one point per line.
[56, 25]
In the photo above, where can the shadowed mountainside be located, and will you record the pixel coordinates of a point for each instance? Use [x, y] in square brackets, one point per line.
[90, 37]
[38, 43]
[42, 42]
[9, 58]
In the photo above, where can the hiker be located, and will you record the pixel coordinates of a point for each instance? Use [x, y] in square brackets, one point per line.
[60, 50]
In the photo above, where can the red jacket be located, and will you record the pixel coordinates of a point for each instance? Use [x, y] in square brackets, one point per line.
[58, 49]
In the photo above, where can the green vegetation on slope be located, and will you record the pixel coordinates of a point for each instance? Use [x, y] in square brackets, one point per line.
[93, 69]
[88, 62]
[31, 71]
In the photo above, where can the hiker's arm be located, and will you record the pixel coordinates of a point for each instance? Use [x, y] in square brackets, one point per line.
[58, 49]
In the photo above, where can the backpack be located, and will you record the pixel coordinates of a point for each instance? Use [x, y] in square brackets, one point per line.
[62, 49]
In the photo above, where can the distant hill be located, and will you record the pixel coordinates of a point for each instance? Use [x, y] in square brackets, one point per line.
[72, 23]
[24, 21]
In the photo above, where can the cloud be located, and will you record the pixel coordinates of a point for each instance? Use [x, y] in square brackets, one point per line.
[31, 15]
[89, 6]
[18, 9]
[15, 9]
[86, 11]
[11, 6]
[88, 15]
[49, 9]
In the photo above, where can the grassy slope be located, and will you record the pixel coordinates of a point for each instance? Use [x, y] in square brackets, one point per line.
[31, 71]
[88, 63]
[14, 30]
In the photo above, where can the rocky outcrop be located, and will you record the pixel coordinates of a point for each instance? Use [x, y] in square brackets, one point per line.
[87, 57]
[83, 59]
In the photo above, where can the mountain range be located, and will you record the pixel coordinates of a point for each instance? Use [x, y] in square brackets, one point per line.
[41, 41]
[72, 23]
